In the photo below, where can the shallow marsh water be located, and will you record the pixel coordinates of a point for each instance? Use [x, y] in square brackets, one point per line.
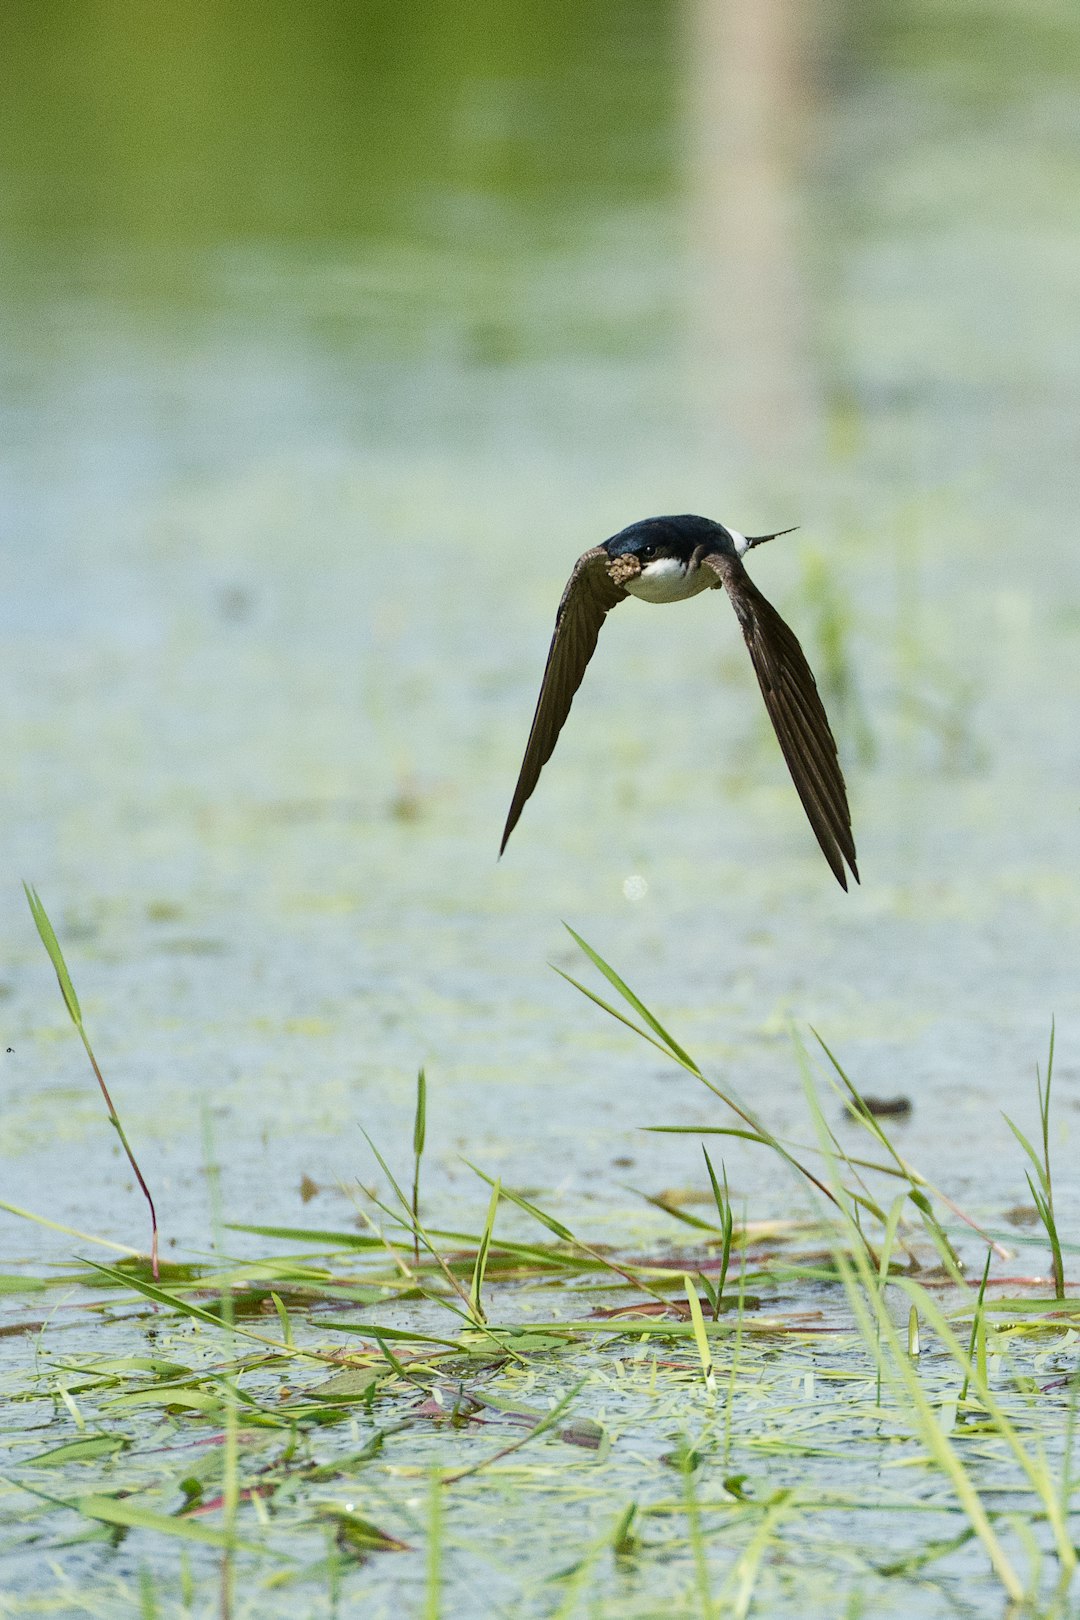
[312, 390]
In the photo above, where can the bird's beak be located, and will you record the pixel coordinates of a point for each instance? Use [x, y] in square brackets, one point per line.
[760, 539]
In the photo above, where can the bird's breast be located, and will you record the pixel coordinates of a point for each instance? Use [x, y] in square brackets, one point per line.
[669, 580]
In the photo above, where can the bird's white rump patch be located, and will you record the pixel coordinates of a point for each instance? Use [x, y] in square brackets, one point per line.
[742, 544]
[666, 579]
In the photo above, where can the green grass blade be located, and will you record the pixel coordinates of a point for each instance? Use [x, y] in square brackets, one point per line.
[70, 1231]
[554, 1226]
[701, 1338]
[880, 1334]
[634, 1001]
[71, 1001]
[56, 956]
[418, 1139]
[1028, 1149]
[323, 1236]
[162, 1296]
[727, 1221]
[548, 1421]
[389, 1174]
[480, 1263]
[613, 1012]
[283, 1318]
[125, 1512]
[420, 1120]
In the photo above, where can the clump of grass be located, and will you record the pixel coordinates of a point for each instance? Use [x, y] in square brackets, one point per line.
[1042, 1187]
[656, 1035]
[714, 1292]
[899, 1363]
[71, 1001]
[895, 1358]
[408, 1337]
[853, 1195]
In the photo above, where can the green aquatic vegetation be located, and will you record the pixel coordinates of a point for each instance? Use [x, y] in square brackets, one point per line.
[894, 1360]
[854, 1194]
[354, 1415]
[867, 1297]
[656, 1035]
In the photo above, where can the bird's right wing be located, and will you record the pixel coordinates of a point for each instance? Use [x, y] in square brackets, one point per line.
[796, 711]
[589, 596]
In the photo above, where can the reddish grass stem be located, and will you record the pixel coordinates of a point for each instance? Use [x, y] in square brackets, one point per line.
[71, 1001]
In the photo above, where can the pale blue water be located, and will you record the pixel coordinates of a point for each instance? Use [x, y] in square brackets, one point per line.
[293, 473]
[329, 345]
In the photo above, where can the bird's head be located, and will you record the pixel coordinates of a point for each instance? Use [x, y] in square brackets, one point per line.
[658, 559]
[668, 539]
[679, 538]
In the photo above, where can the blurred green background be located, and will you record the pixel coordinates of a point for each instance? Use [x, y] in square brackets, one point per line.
[331, 336]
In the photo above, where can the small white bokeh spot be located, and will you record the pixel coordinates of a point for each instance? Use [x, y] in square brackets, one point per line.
[635, 887]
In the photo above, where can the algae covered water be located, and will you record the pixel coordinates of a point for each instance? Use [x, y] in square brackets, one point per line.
[331, 341]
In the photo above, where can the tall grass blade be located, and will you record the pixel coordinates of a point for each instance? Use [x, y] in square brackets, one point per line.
[1048, 1182]
[480, 1263]
[71, 1231]
[419, 1135]
[56, 956]
[727, 1223]
[110, 1510]
[565, 1234]
[701, 1338]
[1037, 1473]
[71, 1001]
[628, 996]
[667, 1044]
[162, 1296]
[917, 1181]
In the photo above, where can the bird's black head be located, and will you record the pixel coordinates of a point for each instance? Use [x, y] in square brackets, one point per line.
[670, 537]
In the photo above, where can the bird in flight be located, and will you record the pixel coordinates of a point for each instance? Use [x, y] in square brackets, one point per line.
[666, 559]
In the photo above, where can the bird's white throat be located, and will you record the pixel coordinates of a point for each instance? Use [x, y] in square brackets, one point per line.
[666, 579]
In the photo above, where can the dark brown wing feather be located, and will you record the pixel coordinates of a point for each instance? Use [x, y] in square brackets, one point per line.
[795, 709]
[589, 596]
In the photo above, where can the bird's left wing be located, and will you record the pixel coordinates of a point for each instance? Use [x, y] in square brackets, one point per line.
[589, 596]
[795, 709]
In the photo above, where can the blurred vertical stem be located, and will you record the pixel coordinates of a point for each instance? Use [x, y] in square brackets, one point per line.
[419, 1136]
[71, 1001]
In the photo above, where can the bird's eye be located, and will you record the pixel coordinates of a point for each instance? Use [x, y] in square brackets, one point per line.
[647, 552]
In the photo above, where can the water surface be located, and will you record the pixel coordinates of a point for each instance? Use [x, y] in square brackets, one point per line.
[331, 342]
